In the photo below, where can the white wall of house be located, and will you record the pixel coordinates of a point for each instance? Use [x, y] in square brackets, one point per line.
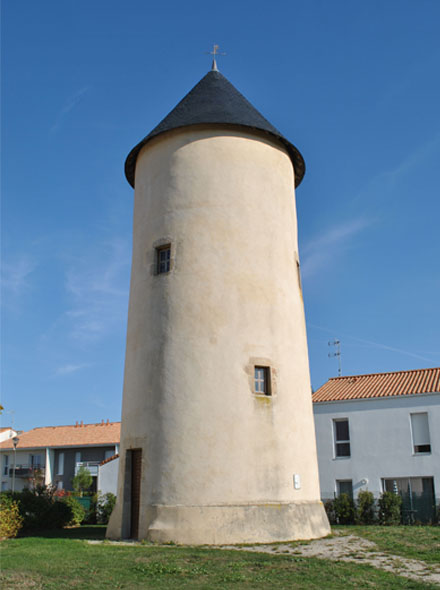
[23, 459]
[50, 465]
[108, 477]
[7, 434]
[381, 442]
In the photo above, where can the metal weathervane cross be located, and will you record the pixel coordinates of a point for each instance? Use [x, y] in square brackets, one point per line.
[215, 51]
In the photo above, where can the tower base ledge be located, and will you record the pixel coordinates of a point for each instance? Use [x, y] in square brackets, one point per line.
[222, 525]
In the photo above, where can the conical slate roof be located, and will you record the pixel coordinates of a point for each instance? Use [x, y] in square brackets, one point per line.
[215, 101]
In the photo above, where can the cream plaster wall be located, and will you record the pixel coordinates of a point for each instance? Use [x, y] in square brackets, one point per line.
[225, 201]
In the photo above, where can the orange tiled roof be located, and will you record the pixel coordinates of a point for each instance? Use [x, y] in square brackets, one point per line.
[112, 458]
[379, 385]
[67, 436]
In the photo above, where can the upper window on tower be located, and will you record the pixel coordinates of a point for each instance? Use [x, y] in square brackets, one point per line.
[163, 259]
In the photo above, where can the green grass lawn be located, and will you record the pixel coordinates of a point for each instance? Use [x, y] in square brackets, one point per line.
[415, 542]
[64, 559]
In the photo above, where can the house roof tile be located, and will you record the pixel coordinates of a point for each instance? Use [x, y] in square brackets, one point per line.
[68, 436]
[112, 458]
[398, 383]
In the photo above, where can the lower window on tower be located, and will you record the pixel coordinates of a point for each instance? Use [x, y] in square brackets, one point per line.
[262, 385]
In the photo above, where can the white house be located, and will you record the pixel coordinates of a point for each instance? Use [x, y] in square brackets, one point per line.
[380, 432]
[6, 433]
[108, 475]
[53, 454]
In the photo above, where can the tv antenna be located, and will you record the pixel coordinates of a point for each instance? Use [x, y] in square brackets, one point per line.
[337, 344]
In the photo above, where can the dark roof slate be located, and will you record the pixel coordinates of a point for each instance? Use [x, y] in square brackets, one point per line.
[215, 101]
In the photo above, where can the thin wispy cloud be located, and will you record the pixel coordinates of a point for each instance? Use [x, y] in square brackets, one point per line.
[15, 274]
[383, 184]
[69, 369]
[69, 105]
[321, 251]
[98, 289]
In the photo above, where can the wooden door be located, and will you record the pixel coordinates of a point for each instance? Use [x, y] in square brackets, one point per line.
[135, 500]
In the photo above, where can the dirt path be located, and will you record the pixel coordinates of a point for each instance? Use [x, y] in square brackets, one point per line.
[354, 549]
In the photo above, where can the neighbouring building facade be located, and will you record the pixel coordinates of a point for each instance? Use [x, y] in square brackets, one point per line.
[6, 433]
[53, 454]
[381, 432]
[108, 475]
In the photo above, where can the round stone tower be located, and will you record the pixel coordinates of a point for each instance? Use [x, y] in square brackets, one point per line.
[217, 440]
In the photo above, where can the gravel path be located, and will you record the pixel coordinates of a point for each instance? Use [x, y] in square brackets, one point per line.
[354, 549]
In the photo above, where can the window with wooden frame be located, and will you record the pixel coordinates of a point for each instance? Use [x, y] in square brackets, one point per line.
[163, 259]
[262, 384]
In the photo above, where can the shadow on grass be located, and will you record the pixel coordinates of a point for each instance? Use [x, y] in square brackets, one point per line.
[96, 531]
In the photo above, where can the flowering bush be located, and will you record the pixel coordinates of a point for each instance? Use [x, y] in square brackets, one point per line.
[40, 509]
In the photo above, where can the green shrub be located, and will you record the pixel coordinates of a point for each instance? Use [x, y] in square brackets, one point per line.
[60, 515]
[105, 505]
[389, 508]
[365, 510]
[78, 512]
[40, 510]
[329, 506]
[10, 519]
[82, 480]
[91, 513]
[344, 509]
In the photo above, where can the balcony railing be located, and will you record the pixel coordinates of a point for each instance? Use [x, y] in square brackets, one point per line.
[92, 466]
[26, 471]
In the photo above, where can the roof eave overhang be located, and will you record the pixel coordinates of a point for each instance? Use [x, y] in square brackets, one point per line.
[294, 154]
[376, 397]
[73, 445]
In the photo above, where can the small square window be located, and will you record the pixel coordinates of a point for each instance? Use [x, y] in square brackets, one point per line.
[262, 381]
[163, 259]
[342, 438]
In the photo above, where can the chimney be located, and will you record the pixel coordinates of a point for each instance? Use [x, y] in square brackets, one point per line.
[108, 421]
[102, 422]
[76, 424]
[82, 423]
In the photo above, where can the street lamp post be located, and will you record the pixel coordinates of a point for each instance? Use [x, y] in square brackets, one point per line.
[15, 443]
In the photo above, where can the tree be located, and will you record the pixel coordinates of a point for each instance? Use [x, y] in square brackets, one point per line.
[82, 480]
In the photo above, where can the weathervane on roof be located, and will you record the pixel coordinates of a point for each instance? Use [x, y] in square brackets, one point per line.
[215, 51]
[337, 344]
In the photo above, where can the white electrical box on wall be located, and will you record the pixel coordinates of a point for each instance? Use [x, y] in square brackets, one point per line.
[296, 481]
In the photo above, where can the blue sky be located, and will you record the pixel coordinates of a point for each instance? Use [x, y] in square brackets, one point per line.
[354, 85]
